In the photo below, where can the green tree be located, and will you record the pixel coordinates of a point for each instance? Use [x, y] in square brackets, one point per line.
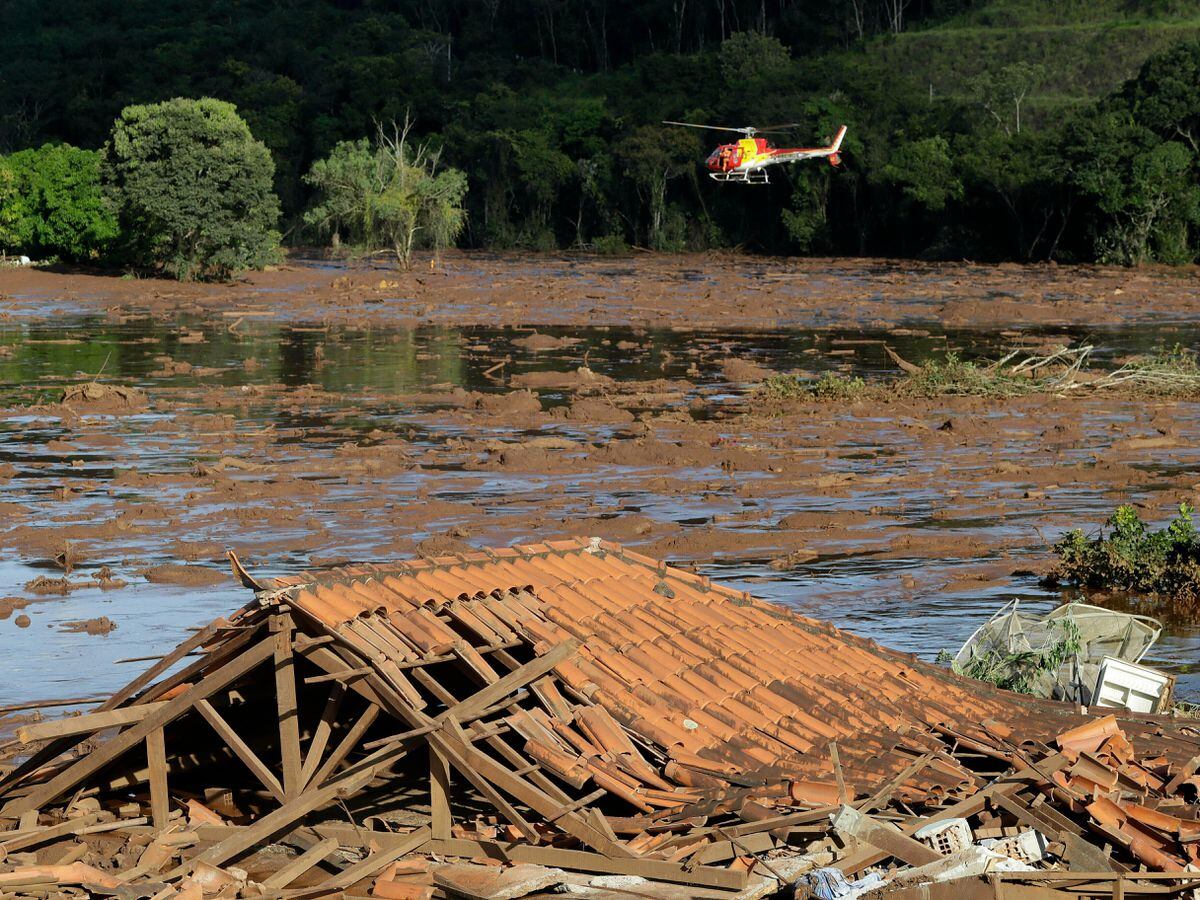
[14, 218]
[1143, 191]
[807, 220]
[653, 158]
[193, 188]
[748, 56]
[542, 169]
[1002, 93]
[388, 196]
[1165, 95]
[925, 172]
[58, 207]
[1023, 174]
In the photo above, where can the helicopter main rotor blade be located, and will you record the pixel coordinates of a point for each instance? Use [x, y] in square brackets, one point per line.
[783, 127]
[709, 127]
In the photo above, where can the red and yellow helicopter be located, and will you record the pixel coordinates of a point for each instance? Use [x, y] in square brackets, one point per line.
[746, 161]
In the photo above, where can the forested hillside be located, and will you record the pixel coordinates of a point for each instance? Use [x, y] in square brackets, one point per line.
[993, 130]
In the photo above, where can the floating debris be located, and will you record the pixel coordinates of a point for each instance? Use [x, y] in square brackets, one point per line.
[1058, 655]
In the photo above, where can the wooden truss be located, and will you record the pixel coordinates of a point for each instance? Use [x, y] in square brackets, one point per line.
[286, 720]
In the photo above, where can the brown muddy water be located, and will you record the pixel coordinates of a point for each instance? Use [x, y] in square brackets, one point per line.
[302, 446]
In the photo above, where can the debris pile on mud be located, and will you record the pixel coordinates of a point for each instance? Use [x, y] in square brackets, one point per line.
[97, 397]
[571, 716]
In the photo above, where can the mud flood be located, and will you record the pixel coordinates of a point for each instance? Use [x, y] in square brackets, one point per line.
[325, 414]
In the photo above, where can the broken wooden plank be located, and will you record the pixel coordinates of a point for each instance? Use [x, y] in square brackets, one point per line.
[884, 794]
[585, 861]
[439, 794]
[515, 679]
[883, 836]
[836, 760]
[481, 768]
[88, 723]
[342, 676]
[720, 851]
[374, 862]
[320, 738]
[345, 745]
[452, 752]
[289, 872]
[288, 705]
[49, 833]
[273, 823]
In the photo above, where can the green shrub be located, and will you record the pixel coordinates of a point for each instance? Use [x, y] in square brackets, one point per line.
[830, 386]
[52, 204]
[193, 187]
[956, 376]
[611, 245]
[1131, 557]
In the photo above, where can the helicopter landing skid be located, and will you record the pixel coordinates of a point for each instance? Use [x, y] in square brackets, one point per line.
[755, 176]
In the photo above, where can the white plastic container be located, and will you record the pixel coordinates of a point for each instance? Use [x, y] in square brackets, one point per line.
[1129, 686]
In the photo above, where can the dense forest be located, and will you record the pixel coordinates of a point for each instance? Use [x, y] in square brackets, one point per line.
[993, 130]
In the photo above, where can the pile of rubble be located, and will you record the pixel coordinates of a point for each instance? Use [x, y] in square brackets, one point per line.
[573, 717]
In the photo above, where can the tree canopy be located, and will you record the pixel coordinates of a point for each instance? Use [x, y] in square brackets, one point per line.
[52, 204]
[388, 195]
[994, 129]
[193, 187]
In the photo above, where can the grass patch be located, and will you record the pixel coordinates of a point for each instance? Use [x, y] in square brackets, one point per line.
[1171, 372]
[830, 386]
[956, 376]
[1131, 557]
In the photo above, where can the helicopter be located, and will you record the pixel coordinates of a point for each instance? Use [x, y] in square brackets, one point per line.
[745, 161]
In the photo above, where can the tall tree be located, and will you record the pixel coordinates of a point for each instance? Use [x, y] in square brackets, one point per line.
[388, 195]
[193, 188]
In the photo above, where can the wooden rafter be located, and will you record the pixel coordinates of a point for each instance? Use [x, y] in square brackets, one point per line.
[320, 738]
[241, 749]
[135, 734]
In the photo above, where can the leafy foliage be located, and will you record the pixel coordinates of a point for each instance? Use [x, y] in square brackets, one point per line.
[193, 187]
[14, 219]
[990, 129]
[1143, 191]
[1020, 672]
[923, 169]
[52, 203]
[388, 195]
[954, 375]
[1132, 557]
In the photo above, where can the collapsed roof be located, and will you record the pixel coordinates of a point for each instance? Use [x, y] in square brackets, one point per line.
[595, 707]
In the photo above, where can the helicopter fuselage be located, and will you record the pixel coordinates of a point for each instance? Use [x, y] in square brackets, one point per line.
[745, 160]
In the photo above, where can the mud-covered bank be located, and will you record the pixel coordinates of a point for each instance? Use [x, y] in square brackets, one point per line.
[686, 290]
[303, 443]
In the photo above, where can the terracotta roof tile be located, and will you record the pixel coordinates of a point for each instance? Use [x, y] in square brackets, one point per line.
[695, 667]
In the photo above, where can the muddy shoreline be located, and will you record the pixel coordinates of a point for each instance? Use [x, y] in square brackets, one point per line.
[712, 290]
[310, 417]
